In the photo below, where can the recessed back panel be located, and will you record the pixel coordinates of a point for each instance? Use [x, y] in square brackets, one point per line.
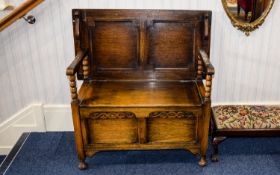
[115, 45]
[142, 44]
[171, 44]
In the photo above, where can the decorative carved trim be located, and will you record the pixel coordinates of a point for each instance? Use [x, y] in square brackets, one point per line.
[247, 27]
[111, 115]
[171, 114]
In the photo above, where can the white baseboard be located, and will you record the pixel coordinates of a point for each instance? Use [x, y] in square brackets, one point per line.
[42, 118]
[28, 119]
[34, 118]
[58, 118]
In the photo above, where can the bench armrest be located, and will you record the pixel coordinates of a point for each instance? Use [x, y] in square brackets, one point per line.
[205, 68]
[71, 70]
[206, 62]
[74, 66]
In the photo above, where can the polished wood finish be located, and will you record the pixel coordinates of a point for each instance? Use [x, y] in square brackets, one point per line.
[135, 93]
[18, 12]
[142, 73]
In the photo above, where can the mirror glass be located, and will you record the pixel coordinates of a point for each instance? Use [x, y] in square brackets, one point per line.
[247, 10]
[247, 15]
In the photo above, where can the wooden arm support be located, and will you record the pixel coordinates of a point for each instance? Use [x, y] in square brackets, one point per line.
[203, 61]
[209, 69]
[74, 66]
[81, 58]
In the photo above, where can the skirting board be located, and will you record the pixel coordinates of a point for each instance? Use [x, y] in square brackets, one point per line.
[48, 118]
[34, 118]
[58, 118]
[29, 119]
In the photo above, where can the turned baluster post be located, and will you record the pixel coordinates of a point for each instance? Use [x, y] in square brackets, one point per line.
[85, 67]
[208, 87]
[73, 87]
[76, 122]
[199, 68]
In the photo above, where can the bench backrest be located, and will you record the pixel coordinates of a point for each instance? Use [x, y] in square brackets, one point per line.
[141, 44]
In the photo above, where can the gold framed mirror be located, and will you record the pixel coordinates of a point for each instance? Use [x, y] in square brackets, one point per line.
[247, 15]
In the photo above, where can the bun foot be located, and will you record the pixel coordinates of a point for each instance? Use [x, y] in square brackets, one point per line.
[83, 165]
[214, 158]
[202, 162]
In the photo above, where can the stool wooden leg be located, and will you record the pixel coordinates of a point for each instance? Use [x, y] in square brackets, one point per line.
[215, 142]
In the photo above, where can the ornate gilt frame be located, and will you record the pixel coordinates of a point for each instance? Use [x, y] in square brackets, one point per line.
[248, 27]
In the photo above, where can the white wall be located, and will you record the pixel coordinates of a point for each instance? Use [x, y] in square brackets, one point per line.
[33, 58]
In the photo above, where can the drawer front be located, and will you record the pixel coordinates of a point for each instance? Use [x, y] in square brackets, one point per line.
[111, 128]
[168, 127]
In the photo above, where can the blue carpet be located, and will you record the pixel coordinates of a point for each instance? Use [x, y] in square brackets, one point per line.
[54, 153]
[1, 159]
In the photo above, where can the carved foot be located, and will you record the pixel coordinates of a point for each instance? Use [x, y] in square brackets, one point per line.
[214, 158]
[202, 162]
[83, 165]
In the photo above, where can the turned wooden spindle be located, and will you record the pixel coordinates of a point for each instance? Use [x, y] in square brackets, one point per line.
[208, 87]
[199, 68]
[73, 88]
[86, 67]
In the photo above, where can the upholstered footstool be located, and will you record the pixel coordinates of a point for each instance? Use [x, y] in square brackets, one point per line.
[245, 120]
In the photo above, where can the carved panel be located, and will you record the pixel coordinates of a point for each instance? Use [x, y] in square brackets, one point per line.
[111, 115]
[171, 114]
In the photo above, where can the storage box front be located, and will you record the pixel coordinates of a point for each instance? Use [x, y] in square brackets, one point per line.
[167, 127]
[112, 128]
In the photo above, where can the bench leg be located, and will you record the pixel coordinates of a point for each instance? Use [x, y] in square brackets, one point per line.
[204, 139]
[78, 135]
[83, 165]
[202, 162]
[215, 142]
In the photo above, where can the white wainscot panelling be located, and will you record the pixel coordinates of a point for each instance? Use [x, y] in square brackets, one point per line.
[34, 118]
[28, 119]
[58, 118]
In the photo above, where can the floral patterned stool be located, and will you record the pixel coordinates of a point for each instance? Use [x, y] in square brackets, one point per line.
[245, 120]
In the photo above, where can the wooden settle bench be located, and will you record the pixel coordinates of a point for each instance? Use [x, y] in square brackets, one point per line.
[243, 121]
[142, 73]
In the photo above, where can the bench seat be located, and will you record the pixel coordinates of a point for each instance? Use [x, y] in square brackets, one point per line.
[139, 94]
[247, 117]
[243, 120]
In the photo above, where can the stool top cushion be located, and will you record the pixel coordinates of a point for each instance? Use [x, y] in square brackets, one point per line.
[246, 117]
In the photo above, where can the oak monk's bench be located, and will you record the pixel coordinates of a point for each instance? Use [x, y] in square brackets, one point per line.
[142, 73]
